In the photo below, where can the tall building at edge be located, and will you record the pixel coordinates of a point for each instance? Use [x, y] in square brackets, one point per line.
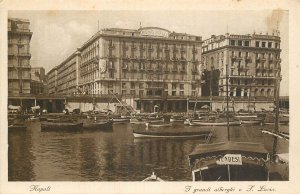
[253, 61]
[151, 65]
[19, 37]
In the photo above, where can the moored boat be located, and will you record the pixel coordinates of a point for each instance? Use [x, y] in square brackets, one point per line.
[230, 161]
[158, 125]
[170, 134]
[61, 126]
[203, 123]
[145, 120]
[97, 125]
[120, 120]
[153, 178]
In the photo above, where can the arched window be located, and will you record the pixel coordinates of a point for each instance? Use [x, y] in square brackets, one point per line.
[262, 92]
[255, 92]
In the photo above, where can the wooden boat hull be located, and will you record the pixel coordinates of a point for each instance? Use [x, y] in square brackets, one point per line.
[176, 120]
[159, 125]
[251, 122]
[121, 120]
[98, 125]
[143, 121]
[51, 126]
[149, 134]
[235, 123]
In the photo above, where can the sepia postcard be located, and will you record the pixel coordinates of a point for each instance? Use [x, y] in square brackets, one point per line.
[149, 97]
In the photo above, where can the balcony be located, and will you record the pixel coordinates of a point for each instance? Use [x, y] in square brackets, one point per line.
[194, 70]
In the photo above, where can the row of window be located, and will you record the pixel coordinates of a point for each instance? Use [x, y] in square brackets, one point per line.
[247, 43]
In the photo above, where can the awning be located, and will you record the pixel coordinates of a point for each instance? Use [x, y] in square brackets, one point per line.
[11, 107]
[35, 107]
[246, 149]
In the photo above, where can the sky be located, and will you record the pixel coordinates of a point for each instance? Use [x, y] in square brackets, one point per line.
[57, 34]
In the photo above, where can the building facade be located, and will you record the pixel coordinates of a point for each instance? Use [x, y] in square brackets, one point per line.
[253, 61]
[19, 36]
[151, 65]
[37, 84]
[67, 75]
[51, 79]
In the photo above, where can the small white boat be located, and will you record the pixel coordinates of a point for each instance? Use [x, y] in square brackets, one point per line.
[170, 134]
[153, 178]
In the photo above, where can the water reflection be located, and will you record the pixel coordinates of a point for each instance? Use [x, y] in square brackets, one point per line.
[20, 157]
[111, 156]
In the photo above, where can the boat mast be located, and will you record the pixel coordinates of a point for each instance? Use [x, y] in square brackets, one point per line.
[228, 134]
[277, 87]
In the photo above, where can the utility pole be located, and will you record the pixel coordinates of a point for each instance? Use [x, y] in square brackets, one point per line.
[249, 95]
[227, 103]
[211, 86]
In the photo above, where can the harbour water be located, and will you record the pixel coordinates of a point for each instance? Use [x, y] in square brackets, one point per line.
[114, 155]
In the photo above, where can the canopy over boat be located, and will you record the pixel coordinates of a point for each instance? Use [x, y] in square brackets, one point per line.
[284, 157]
[253, 151]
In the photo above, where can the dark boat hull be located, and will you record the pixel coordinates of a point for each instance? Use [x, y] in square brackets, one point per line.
[49, 126]
[98, 125]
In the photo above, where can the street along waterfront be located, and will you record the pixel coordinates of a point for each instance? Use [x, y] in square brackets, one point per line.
[116, 155]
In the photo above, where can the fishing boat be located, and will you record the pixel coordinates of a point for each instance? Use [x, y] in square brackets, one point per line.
[230, 161]
[271, 120]
[158, 125]
[277, 134]
[97, 125]
[203, 123]
[249, 119]
[120, 120]
[61, 125]
[170, 134]
[153, 178]
[146, 120]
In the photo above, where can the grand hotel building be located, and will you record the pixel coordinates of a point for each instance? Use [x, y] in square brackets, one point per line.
[253, 61]
[151, 65]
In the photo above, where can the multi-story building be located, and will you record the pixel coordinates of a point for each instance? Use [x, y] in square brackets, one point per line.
[67, 74]
[37, 80]
[148, 64]
[151, 64]
[52, 81]
[19, 36]
[38, 74]
[252, 60]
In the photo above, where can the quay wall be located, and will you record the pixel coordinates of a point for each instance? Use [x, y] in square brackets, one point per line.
[116, 107]
[268, 106]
